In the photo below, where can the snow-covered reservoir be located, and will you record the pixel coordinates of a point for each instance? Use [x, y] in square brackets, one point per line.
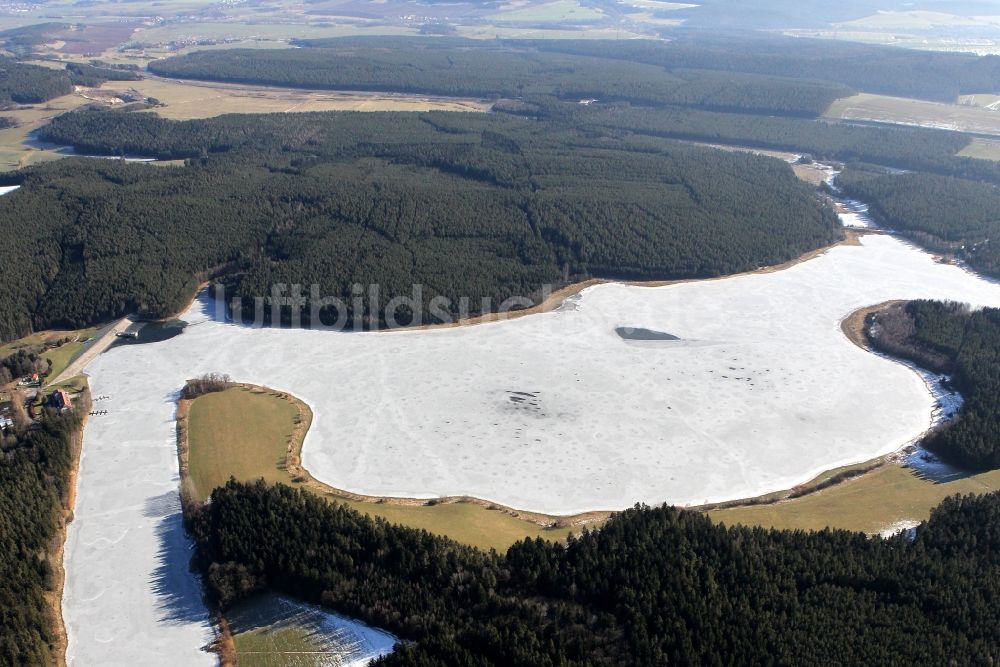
[554, 412]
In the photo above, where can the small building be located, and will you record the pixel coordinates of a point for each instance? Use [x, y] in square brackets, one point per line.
[60, 400]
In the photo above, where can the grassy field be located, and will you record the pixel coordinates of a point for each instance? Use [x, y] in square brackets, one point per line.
[14, 152]
[187, 100]
[870, 503]
[984, 149]
[511, 32]
[558, 11]
[246, 434]
[60, 356]
[238, 433]
[273, 631]
[284, 31]
[905, 111]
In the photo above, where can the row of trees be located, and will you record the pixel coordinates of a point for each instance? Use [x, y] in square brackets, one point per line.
[886, 70]
[904, 148]
[488, 69]
[466, 205]
[951, 338]
[654, 586]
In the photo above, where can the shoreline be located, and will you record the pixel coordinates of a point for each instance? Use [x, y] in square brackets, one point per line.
[852, 237]
[300, 474]
[57, 555]
[827, 478]
[853, 328]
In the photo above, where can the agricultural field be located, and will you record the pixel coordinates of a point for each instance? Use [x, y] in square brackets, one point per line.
[187, 100]
[246, 433]
[891, 495]
[238, 433]
[902, 111]
[258, 31]
[984, 149]
[490, 31]
[15, 148]
[559, 11]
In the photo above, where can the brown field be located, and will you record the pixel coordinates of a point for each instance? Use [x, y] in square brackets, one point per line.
[92, 39]
[186, 100]
[902, 111]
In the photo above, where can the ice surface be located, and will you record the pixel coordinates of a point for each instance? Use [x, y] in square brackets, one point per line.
[552, 412]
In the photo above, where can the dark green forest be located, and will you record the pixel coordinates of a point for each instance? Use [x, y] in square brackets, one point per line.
[29, 84]
[899, 147]
[947, 215]
[487, 69]
[829, 66]
[885, 70]
[34, 478]
[965, 344]
[466, 205]
[653, 586]
[714, 89]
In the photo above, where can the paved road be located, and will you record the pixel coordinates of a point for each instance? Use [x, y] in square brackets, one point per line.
[95, 348]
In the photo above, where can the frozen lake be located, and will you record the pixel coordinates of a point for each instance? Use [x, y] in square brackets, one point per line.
[554, 412]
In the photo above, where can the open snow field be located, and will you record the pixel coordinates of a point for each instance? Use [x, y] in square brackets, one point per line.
[557, 412]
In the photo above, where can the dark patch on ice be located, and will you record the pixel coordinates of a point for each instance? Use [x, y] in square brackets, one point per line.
[639, 333]
[153, 332]
[525, 401]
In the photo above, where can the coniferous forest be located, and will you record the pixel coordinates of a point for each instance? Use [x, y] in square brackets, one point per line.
[466, 205]
[481, 69]
[965, 344]
[21, 83]
[34, 481]
[653, 586]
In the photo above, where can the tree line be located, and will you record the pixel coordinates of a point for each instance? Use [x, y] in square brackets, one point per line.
[918, 149]
[887, 70]
[760, 92]
[653, 586]
[491, 70]
[466, 205]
